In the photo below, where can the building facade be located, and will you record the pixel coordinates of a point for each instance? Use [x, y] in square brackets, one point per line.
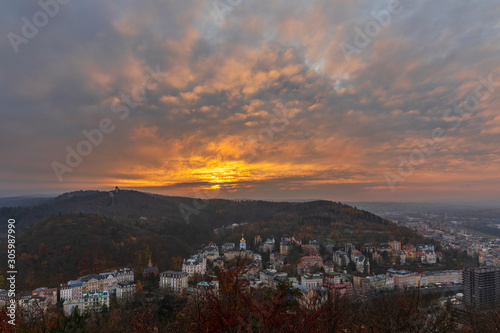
[195, 264]
[91, 303]
[65, 292]
[481, 286]
[311, 281]
[76, 289]
[174, 281]
[124, 275]
[125, 290]
[50, 295]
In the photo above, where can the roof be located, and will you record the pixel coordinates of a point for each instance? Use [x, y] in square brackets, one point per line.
[90, 277]
[150, 269]
[173, 273]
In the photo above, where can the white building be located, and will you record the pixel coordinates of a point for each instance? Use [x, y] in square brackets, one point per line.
[65, 292]
[340, 258]
[194, 265]
[174, 281]
[430, 257]
[360, 261]
[311, 281]
[125, 275]
[125, 290]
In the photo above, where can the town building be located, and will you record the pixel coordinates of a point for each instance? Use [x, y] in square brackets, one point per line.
[211, 252]
[307, 263]
[342, 289]
[207, 286]
[395, 245]
[226, 247]
[109, 281]
[331, 279]
[368, 248]
[404, 279]
[91, 303]
[92, 283]
[311, 281]
[125, 290]
[218, 263]
[32, 306]
[70, 305]
[268, 245]
[50, 295]
[362, 262]
[76, 289]
[399, 254]
[4, 297]
[277, 258]
[285, 245]
[341, 258]
[315, 245]
[267, 276]
[196, 264]
[328, 267]
[65, 291]
[384, 247]
[481, 286]
[174, 281]
[125, 275]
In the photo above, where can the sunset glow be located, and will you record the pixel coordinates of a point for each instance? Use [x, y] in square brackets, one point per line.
[266, 100]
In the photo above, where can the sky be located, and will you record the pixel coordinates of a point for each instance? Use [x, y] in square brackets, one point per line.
[340, 100]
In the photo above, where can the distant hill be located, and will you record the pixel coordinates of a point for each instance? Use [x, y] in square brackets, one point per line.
[24, 201]
[130, 204]
[91, 231]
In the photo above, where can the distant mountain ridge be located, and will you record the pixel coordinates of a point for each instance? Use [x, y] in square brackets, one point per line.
[23, 201]
[133, 204]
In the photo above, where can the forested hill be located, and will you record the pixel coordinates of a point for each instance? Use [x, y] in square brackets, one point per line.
[90, 231]
[126, 204]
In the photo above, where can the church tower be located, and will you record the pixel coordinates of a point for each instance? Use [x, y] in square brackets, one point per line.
[243, 243]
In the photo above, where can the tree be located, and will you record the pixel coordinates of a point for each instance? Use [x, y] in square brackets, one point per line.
[138, 287]
[351, 266]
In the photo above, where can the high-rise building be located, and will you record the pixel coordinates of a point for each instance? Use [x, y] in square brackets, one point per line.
[481, 286]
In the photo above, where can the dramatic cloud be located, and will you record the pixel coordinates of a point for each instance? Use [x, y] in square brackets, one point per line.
[343, 100]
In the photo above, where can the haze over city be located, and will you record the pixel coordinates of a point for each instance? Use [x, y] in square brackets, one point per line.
[346, 101]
